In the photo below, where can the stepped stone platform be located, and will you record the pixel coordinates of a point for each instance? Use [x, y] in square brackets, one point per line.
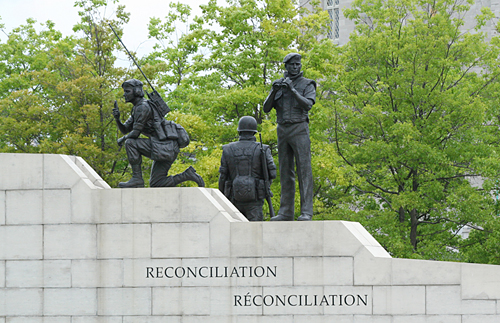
[73, 250]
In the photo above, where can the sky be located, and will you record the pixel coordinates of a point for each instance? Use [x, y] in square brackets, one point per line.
[14, 13]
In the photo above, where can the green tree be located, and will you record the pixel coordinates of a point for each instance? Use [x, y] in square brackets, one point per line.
[24, 115]
[57, 93]
[413, 124]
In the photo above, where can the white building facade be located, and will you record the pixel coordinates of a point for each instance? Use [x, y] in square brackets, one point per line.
[341, 27]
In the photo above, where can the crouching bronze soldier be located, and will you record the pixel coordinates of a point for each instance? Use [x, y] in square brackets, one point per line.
[242, 178]
[162, 151]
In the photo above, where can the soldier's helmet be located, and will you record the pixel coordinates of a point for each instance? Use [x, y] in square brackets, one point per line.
[247, 123]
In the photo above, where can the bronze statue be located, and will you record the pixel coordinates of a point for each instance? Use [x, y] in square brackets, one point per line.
[162, 144]
[242, 177]
[293, 96]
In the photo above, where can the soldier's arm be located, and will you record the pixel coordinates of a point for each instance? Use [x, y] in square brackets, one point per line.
[271, 167]
[116, 114]
[307, 100]
[142, 115]
[269, 102]
[222, 174]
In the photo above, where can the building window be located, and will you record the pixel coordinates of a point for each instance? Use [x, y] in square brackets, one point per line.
[333, 8]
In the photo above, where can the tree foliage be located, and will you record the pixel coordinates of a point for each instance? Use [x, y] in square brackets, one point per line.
[57, 92]
[413, 124]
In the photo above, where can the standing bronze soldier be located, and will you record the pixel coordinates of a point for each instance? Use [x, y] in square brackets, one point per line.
[242, 173]
[163, 152]
[293, 96]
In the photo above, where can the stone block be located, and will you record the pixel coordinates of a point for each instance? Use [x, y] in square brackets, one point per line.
[151, 272]
[181, 301]
[2, 273]
[399, 300]
[57, 273]
[335, 231]
[293, 238]
[322, 271]
[353, 236]
[21, 171]
[90, 173]
[480, 318]
[85, 201]
[209, 272]
[124, 241]
[198, 205]
[246, 239]
[97, 319]
[2, 207]
[448, 300]
[322, 319]
[265, 271]
[370, 270]
[124, 301]
[211, 319]
[421, 272]
[97, 273]
[290, 300]
[479, 306]
[45, 319]
[233, 212]
[21, 242]
[56, 206]
[23, 207]
[153, 319]
[361, 233]
[70, 241]
[344, 300]
[69, 301]
[231, 300]
[24, 273]
[60, 171]
[17, 302]
[184, 240]
[220, 235]
[372, 319]
[443, 300]
[427, 319]
[151, 205]
[480, 281]
[240, 319]
[110, 202]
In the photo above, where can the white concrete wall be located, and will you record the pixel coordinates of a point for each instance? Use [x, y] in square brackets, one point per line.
[72, 250]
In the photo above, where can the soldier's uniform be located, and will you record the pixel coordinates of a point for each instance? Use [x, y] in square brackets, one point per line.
[294, 145]
[142, 121]
[242, 177]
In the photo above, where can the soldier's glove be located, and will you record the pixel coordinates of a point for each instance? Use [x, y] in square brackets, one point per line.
[121, 140]
[287, 83]
[116, 111]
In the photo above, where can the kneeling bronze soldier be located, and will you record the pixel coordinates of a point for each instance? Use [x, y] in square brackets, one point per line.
[163, 152]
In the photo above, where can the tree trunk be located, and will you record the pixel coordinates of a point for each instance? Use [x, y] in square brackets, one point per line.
[413, 229]
[401, 214]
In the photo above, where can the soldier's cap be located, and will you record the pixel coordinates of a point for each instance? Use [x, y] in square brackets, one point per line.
[290, 56]
[132, 83]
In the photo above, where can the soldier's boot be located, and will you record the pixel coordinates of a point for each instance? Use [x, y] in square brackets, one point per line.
[304, 217]
[189, 175]
[281, 217]
[136, 180]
